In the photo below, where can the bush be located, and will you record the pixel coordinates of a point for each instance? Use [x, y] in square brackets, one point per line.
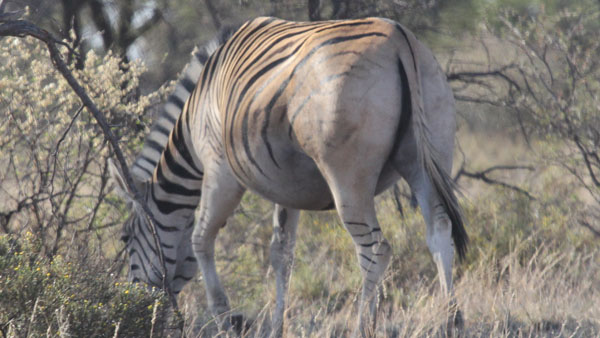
[53, 172]
[39, 296]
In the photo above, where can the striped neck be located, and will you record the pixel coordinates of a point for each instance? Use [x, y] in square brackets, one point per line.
[177, 180]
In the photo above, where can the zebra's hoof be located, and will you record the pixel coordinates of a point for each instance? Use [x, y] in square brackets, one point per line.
[455, 324]
[237, 323]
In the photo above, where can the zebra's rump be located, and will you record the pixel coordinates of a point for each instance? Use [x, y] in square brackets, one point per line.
[303, 92]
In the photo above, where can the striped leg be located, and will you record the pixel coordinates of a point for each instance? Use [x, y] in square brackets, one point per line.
[373, 252]
[187, 264]
[285, 223]
[355, 205]
[220, 196]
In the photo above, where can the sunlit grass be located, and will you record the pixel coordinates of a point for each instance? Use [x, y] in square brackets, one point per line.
[531, 270]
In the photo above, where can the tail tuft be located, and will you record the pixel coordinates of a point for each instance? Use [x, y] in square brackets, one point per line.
[443, 184]
[445, 187]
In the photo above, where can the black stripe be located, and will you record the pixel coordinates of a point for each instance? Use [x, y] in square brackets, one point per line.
[365, 268]
[270, 49]
[204, 76]
[251, 37]
[362, 235]
[345, 24]
[358, 223]
[367, 258]
[171, 187]
[246, 144]
[253, 79]
[142, 233]
[166, 228]
[178, 169]
[147, 171]
[168, 116]
[269, 33]
[241, 56]
[143, 266]
[215, 58]
[169, 260]
[155, 145]
[161, 129]
[167, 246]
[147, 260]
[368, 245]
[187, 279]
[176, 101]
[182, 148]
[188, 84]
[153, 162]
[202, 56]
[167, 208]
[134, 267]
[340, 39]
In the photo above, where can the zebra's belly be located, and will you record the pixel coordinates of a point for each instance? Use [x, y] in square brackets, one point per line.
[289, 178]
[292, 179]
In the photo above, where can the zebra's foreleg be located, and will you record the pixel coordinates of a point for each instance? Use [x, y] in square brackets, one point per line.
[220, 196]
[285, 222]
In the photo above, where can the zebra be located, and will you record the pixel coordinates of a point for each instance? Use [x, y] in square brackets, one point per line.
[311, 116]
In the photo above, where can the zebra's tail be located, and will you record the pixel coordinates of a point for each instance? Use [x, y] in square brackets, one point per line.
[427, 155]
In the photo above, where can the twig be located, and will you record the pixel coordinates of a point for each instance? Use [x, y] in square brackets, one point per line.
[500, 72]
[60, 140]
[482, 175]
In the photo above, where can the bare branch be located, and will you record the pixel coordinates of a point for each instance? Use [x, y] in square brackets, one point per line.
[500, 72]
[482, 175]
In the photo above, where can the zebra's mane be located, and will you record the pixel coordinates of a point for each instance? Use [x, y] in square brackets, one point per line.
[155, 142]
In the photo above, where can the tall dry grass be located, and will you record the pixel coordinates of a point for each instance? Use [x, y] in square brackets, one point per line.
[532, 270]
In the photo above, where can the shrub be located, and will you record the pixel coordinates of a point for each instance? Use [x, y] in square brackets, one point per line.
[39, 296]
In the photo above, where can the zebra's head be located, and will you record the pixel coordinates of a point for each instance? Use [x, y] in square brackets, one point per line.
[141, 245]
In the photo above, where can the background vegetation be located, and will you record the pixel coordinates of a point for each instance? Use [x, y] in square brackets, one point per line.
[526, 77]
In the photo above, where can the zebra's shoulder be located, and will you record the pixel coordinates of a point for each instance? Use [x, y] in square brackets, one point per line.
[158, 137]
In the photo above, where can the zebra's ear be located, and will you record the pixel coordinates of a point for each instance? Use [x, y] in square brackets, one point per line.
[117, 180]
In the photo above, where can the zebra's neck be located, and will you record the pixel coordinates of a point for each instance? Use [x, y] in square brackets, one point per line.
[177, 180]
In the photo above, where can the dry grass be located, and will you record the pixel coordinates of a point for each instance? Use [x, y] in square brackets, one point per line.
[531, 271]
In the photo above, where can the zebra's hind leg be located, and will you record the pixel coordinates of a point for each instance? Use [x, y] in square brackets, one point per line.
[220, 196]
[355, 205]
[285, 222]
[440, 244]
